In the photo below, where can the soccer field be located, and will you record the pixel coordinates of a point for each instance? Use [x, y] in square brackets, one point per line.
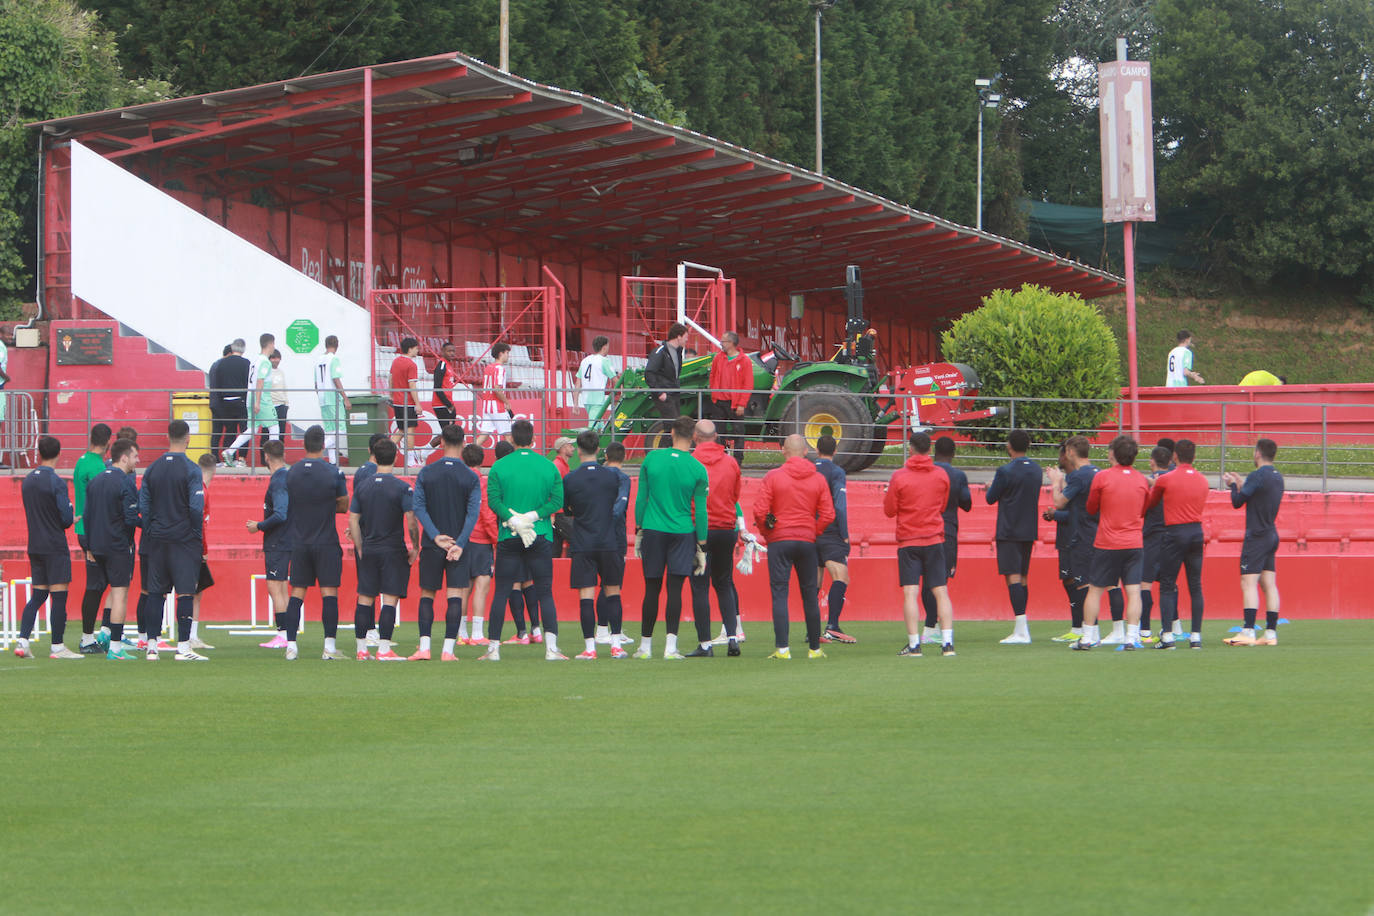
[1006, 780]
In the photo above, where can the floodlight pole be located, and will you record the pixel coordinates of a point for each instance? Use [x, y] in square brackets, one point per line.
[820, 6]
[978, 217]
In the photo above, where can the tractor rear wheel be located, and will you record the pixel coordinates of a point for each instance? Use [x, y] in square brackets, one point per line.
[876, 443]
[831, 410]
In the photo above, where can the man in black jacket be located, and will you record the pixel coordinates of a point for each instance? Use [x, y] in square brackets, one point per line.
[661, 376]
[229, 378]
[212, 382]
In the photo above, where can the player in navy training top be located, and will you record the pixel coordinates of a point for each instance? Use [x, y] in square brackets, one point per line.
[1260, 494]
[171, 503]
[1063, 537]
[615, 457]
[1152, 535]
[48, 512]
[833, 543]
[315, 492]
[1015, 490]
[369, 467]
[276, 539]
[447, 503]
[960, 500]
[111, 520]
[378, 516]
[590, 494]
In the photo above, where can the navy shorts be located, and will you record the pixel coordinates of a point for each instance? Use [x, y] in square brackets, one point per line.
[1256, 553]
[832, 549]
[922, 566]
[316, 563]
[50, 568]
[1150, 554]
[592, 567]
[1113, 566]
[406, 418]
[1081, 562]
[173, 566]
[436, 569]
[110, 570]
[480, 559]
[277, 565]
[1013, 557]
[204, 580]
[383, 572]
[674, 553]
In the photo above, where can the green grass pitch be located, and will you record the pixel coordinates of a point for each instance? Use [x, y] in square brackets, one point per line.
[1006, 780]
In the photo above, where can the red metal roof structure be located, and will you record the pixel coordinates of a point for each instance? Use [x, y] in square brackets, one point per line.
[487, 158]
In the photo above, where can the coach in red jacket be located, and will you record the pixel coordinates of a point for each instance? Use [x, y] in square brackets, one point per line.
[731, 382]
[722, 501]
[916, 497]
[792, 509]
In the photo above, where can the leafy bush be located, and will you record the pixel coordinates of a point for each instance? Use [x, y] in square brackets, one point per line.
[1034, 343]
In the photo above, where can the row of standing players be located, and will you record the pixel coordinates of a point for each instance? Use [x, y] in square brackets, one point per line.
[1113, 531]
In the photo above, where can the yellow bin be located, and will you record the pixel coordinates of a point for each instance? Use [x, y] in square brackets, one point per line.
[194, 408]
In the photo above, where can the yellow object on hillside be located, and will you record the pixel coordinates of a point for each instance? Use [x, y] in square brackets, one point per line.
[1261, 377]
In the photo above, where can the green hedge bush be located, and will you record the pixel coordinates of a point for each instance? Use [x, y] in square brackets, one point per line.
[1034, 343]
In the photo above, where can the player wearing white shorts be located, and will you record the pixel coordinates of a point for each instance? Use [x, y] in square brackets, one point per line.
[334, 402]
[496, 410]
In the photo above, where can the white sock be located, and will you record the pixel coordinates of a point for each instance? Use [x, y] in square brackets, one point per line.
[1248, 631]
[1094, 633]
[947, 637]
[670, 644]
[551, 643]
[646, 644]
[1119, 628]
[1021, 628]
[142, 637]
[24, 644]
[602, 632]
[1076, 631]
[739, 630]
[383, 646]
[329, 644]
[105, 630]
[183, 646]
[536, 631]
[1195, 637]
[1133, 632]
[913, 640]
[463, 629]
[87, 639]
[195, 629]
[1271, 634]
[291, 644]
[362, 644]
[1166, 636]
[590, 644]
[930, 632]
[424, 643]
[1178, 628]
[477, 627]
[448, 646]
[704, 645]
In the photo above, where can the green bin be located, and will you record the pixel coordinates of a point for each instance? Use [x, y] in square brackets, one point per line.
[370, 414]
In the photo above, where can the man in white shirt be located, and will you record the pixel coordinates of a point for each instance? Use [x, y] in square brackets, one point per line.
[594, 375]
[1180, 368]
[334, 402]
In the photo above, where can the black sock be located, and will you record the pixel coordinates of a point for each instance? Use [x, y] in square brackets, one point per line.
[1271, 620]
[186, 605]
[615, 613]
[425, 616]
[587, 609]
[362, 621]
[1020, 596]
[453, 618]
[1147, 603]
[517, 611]
[386, 627]
[116, 633]
[648, 610]
[1250, 613]
[279, 619]
[90, 611]
[1118, 604]
[602, 600]
[932, 608]
[837, 590]
[548, 613]
[141, 614]
[329, 615]
[1076, 607]
[105, 618]
[30, 616]
[59, 617]
[672, 605]
[294, 607]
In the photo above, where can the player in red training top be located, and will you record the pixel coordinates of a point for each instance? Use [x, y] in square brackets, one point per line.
[1117, 498]
[495, 409]
[1183, 491]
[916, 497]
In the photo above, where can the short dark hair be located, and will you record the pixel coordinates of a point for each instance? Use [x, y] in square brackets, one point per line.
[453, 434]
[944, 447]
[100, 434]
[1124, 449]
[588, 442]
[498, 349]
[683, 427]
[675, 330]
[274, 449]
[1019, 441]
[408, 344]
[266, 339]
[1078, 445]
[122, 447]
[1161, 455]
[1184, 334]
[228, 348]
[331, 341]
[385, 452]
[599, 341]
[207, 461]
[920, 443]
[48, 447]
[615, 452]
[1185, 450]
[473, 455]
[1267, 448]
[825, 445]
[1166, 442]
[275, 354]
[178, 431]
[313, 440]
[522, 433]
[127, 432]
[372, 441]
[501, 449]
